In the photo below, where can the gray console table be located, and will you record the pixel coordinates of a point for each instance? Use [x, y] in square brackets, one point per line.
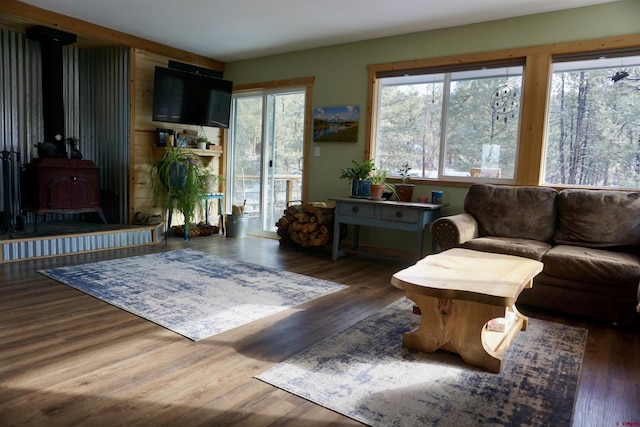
[407, 216]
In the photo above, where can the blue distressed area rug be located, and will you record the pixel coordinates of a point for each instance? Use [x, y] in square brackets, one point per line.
[364, 373]
[192, 293]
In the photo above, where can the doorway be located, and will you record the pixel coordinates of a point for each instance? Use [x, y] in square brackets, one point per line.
[266, 154]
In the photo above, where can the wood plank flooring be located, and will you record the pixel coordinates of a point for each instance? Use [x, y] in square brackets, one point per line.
[69, 359]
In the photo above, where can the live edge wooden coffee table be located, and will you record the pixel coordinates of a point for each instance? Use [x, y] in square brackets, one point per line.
[458, 291]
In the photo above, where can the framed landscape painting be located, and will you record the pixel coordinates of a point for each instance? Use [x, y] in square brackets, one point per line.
[336, 124]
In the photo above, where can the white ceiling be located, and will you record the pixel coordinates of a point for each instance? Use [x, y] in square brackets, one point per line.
[229, 30]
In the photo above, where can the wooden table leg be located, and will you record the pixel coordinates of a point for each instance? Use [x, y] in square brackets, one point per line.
[336, 241]
[458, 326]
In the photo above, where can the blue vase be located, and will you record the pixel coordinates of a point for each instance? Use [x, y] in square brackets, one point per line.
[360, 188]
[177, 175]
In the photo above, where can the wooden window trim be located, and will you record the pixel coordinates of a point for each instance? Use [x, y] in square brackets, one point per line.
[537, 78]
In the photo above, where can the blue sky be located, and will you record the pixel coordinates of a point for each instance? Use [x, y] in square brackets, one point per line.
[345, 113]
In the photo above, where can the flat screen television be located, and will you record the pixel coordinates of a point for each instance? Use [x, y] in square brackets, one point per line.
[189, 98]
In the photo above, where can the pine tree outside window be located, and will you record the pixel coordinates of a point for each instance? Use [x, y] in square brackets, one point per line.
[460, 124]
[593, 124]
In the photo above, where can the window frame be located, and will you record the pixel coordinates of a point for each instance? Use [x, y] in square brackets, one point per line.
[535, 88]
[448, 76]
[588, 62]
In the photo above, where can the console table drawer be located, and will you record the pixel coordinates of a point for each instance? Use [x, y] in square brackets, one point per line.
[399, 214]
[355, 209]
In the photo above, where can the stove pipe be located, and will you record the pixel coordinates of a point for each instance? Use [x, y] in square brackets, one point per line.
[51, 43]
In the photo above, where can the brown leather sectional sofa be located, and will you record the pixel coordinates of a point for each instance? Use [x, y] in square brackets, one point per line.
[588, 240]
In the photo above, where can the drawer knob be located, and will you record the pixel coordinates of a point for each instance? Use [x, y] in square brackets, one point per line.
[399, 214]
[354, 209]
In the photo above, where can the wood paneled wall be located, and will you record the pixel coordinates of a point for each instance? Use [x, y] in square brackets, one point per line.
[17, 16]
[143, 132]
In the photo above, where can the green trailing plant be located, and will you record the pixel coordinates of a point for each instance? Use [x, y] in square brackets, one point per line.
[359, 171]
[379, 177]
[179, 182]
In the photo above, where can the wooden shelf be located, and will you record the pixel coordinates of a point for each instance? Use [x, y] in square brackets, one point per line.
[211, 152]
[214, 151]
[497, 343]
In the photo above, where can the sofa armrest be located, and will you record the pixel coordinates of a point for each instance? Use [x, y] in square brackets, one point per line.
[452, 231]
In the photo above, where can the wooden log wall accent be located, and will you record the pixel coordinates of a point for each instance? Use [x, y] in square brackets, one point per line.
[307, 224]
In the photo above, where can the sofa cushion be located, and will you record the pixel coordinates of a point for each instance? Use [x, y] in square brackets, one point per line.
[593, 265]
[509, 211]
[532, 249]
[627, 293]
[598, 218]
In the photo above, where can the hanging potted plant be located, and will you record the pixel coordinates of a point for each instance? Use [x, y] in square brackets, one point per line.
[179, 182]
[202, 142]
[404, 190]
[359, 174]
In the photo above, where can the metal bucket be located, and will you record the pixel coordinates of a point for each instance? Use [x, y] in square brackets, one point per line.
[236, 225]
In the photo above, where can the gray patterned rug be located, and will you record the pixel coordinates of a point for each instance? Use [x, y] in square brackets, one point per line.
[193, 293]
[364, 373]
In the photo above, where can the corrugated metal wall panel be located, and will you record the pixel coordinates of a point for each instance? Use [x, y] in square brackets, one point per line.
[104, 123]
[60, 245]
[71, 80]
[96, 112]
[21, 108]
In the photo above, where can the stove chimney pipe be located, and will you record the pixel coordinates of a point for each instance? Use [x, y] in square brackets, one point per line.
[51, 44]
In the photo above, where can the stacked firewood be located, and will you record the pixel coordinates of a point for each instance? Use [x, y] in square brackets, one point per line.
[307, 224]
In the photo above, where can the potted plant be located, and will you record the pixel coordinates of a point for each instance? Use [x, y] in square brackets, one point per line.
[359, 174]
[404, 190]
[202, 142]
[379, 184]
[179, 182]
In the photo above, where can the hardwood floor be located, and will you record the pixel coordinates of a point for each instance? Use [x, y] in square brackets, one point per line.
[69, 359]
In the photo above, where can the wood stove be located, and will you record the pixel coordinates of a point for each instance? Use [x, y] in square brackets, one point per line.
[62, 186]
[54, 183]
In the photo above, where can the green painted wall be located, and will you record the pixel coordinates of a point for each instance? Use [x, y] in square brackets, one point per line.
[341, 74]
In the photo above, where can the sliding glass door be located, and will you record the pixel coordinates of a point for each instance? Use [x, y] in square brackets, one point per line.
[266, 152]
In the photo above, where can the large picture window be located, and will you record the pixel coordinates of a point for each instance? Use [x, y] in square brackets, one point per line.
[593, 132]
[566, 114]
[450, 124]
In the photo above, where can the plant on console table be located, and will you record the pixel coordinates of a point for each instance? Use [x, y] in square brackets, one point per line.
[379, 184]
[404, 190]
[179, 182]
[360, 176]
